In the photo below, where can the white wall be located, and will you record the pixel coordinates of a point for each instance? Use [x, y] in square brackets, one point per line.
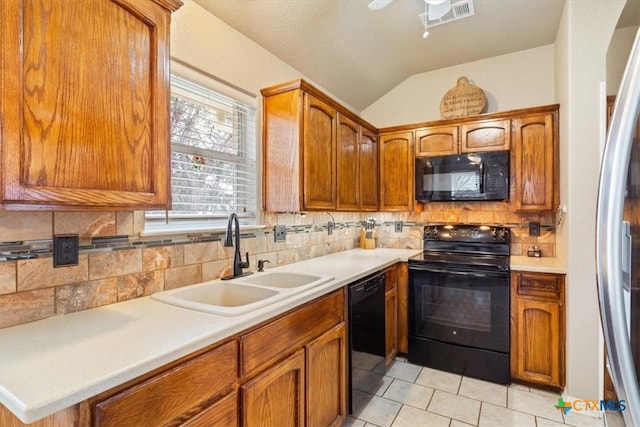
[518, 80]
[581, 46]
[617, 56]
[205, 42]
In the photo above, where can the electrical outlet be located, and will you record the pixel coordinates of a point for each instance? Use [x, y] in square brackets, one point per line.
[534, 229]
[66, 248]
[280, 233]
[398, 226]
[330, 227]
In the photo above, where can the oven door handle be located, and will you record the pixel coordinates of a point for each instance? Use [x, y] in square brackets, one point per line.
[459, 273]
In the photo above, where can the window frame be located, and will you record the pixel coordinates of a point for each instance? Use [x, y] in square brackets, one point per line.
[153, 223]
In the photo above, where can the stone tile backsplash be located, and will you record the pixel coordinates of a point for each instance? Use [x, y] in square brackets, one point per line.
[116, 265]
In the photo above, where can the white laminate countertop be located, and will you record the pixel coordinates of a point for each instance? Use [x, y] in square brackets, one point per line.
[538, 265]
[54, 363]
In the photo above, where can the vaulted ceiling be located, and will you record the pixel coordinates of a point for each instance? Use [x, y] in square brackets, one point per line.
[359, 55]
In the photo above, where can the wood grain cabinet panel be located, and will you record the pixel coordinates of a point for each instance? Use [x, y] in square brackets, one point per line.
[276, 397]
[223, 413]
[271, 341]
[534, 157]
[396, 172]
[391, 324]
[391, 313]
[368, 165]
[319, 154]
[403, 308]
[348, 167]
[326, 378]
[437, 141]
[178, 393]
[69, 139]
[282, 151]
[485, 135]
[537, 329]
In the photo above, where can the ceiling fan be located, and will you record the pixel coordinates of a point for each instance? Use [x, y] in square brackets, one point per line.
[436, 12]
[437, 8]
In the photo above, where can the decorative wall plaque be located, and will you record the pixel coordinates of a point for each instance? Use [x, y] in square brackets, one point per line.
[465, 99]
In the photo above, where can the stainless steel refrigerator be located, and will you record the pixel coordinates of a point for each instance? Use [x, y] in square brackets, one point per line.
[618, 241]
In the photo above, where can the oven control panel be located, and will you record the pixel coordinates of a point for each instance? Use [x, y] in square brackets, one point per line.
[467, 233]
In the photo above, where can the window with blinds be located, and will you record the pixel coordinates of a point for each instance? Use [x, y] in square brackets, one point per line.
[213, 159]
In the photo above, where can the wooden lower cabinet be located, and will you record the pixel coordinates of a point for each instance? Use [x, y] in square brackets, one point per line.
[223, 413]
[276, 397]
[288, 371]
[326, 378]
[403, 307]
[174, 395]
[391, 324]
[538, 329]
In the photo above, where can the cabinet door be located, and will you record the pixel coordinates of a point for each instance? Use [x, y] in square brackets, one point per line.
[536, 347]
[319, 155]
[368, 170]
[488, 135]
[403, 308]
[69, 137]
[391, 324]
[437, 141]
[348, 164]
[326, 378]
[396, 172]
[533, 163]
[537, 328]
[276, 397]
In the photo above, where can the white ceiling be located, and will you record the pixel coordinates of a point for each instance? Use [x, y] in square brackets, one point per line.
[359, 55]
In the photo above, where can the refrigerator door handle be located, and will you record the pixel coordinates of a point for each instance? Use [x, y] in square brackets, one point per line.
[627, 243]
[609, 237]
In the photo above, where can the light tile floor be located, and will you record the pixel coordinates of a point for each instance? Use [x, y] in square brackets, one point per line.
[407, 395]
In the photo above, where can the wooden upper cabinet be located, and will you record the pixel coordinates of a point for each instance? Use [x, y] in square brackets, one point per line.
[319, 154]
[437, 141]
[84, 104]
[396, 172]
[470, 137]
[486, 135]
[534, 159]
[348, 164]
[368, 164]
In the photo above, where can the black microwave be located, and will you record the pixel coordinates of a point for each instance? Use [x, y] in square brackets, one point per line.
[472, 176]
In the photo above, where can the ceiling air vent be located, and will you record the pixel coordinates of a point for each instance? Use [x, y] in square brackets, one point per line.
[459, 9]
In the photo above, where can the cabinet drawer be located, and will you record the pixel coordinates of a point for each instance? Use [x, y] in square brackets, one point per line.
[272, 341]
[539, 285]
[223, 413]
[186, 388]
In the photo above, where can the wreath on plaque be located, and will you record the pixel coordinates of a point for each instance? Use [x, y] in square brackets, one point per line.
[465, 99]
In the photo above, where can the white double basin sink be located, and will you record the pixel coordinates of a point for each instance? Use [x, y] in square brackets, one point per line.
[242, 295]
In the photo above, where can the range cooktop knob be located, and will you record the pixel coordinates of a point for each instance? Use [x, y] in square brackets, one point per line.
[500, 233]
[503, 234]
[431, 232]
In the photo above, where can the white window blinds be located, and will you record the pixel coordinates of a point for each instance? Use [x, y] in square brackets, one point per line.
[213, 160]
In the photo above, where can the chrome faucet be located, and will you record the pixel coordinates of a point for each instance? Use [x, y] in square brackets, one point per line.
[238, 264]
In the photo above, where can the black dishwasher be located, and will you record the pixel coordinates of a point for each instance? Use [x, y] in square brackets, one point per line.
[366, 320]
